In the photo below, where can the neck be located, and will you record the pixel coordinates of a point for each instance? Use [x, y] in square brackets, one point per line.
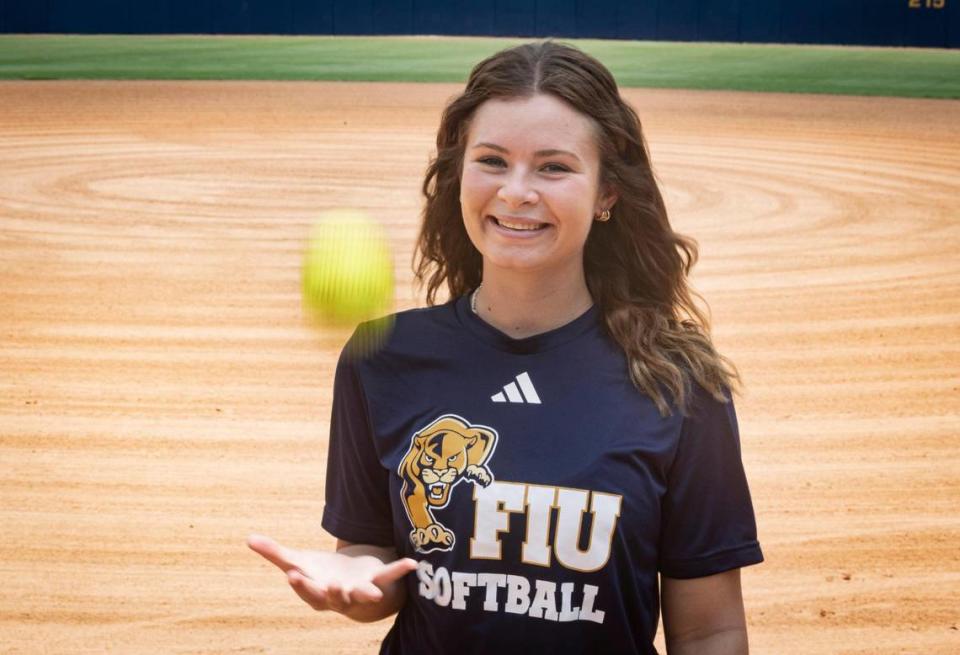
[521, 305]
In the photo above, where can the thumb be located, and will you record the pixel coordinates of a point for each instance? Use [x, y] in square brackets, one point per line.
[394, 571]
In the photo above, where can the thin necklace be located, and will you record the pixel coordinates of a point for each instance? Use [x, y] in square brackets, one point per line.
[473, 299]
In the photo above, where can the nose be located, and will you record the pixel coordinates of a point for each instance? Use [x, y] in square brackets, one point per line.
[448, 475]
[516, 190]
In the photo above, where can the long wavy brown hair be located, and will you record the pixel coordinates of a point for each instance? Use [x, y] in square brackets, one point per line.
[636, 266]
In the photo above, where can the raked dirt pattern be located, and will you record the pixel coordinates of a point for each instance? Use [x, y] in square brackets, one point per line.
[163, 395]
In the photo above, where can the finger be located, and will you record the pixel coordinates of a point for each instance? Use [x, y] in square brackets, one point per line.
[366, 593]
[309, 591]
[340, 592]
[280, 556]
[394, 571]
[337, 599]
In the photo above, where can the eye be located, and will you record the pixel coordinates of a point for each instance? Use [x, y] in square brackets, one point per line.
[492, 161]
[450, 460]
[556, 168]
[427, 459]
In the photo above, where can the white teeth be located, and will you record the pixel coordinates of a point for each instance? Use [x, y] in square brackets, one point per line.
[519, 226]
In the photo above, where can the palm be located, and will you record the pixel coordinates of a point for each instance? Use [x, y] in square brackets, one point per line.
[336, 568]
[328, 580]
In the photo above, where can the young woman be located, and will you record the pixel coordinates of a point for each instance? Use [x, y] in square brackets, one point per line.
[544, 445]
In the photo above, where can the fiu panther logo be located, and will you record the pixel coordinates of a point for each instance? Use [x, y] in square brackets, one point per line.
[440, 456]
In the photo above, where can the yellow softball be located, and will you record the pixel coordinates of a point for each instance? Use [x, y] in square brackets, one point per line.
[347, 269]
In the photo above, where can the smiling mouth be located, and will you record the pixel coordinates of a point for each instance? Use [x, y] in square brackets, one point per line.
[516, 226]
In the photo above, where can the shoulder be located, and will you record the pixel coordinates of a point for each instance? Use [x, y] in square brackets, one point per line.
[391, 359]
[700, 397]
[708, 420]
[409, 333]
[703, 401]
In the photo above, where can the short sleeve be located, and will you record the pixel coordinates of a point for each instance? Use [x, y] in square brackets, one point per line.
[707, 519]
[357, 505]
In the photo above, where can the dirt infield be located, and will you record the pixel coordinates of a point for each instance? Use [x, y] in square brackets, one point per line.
[163, 396]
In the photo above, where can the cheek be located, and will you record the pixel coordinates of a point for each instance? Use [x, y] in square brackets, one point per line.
[574, 201]
[475, 188]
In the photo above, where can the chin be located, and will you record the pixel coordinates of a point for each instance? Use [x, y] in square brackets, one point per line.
[530, 264]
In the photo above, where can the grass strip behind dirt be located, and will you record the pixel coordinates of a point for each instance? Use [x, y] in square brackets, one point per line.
[908, 72]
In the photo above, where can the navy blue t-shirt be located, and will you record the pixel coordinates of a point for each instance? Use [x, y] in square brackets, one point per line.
[539, 490]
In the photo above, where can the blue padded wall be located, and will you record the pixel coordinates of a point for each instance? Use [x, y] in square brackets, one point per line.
[677, 20]
[514, 18]
[718, 20]
[932, 23]
[802, 22]
[638, 19]
[556, 17]
[597, 19]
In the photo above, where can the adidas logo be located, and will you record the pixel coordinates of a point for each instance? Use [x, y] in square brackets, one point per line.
[519, 391]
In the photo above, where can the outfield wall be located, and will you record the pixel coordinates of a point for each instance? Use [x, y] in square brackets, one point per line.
[930, 23]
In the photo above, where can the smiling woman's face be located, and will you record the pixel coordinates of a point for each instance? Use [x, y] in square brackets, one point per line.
[529, 186]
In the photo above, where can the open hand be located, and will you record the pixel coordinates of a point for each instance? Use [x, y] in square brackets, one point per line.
[359, 584]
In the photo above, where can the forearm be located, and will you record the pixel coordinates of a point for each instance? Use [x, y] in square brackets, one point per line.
[394, 593]
[726, 642]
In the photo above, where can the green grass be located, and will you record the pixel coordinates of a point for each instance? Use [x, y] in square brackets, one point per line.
[812, 69]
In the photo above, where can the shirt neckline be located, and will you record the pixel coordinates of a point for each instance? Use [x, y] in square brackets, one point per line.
[534, 343]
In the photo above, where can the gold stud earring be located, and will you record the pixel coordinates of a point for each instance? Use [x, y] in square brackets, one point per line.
[604, 216]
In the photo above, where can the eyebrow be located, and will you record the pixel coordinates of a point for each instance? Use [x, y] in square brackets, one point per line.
[549, 152]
